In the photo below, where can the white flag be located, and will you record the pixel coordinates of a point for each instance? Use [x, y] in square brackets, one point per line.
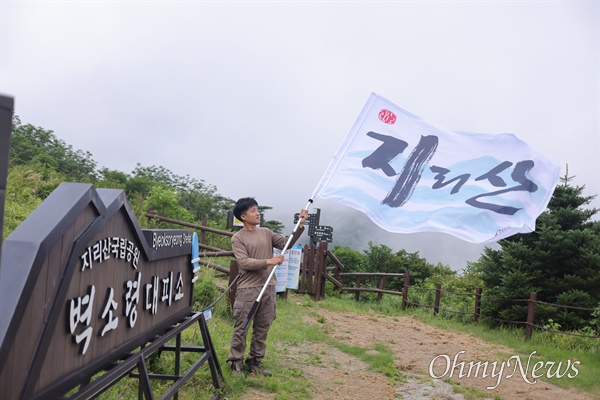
[409, 175]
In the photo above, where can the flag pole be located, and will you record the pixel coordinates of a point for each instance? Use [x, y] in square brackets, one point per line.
[260, 295]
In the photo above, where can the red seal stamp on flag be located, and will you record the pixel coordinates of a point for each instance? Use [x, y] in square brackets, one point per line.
[387, 117]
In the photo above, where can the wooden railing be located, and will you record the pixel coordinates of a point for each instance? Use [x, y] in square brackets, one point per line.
[380, 289]
[314, 273]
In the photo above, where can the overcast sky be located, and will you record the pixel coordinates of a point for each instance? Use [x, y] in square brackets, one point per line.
[255, 97]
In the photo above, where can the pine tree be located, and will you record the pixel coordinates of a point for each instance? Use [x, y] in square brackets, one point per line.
[560, 261]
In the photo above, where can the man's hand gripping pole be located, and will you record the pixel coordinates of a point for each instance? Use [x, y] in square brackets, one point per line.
[260, 295]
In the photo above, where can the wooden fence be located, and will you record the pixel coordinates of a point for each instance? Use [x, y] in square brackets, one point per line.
[314, 272]
[477, 296]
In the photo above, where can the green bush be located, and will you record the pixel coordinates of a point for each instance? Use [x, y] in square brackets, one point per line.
[205, 289]
[25, 191]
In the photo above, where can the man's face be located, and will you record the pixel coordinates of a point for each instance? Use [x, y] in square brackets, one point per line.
[251, 216]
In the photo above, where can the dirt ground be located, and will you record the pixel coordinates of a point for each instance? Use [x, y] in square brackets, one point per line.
[338, 376]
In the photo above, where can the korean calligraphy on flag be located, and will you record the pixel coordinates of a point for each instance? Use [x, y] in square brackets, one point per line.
[409, 175]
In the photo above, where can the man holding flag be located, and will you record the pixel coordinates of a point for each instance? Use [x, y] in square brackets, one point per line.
[407, 175]
[253, 249]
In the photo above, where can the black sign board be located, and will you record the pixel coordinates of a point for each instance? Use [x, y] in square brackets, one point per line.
[321, 233]
[320, 230]
[82, 286]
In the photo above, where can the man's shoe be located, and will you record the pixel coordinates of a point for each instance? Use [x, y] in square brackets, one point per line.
[258, 368]
[237, 368]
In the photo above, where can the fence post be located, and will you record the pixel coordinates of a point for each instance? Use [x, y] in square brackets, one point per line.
[310, 275]
[203, 233]
[530, 314]
[233, 271]
[381, 287]
[304, 270]
[357, 293]
[150, 211]
[320, 270]
[438, 295]
[477, 310]
[336, 274]
[405, 289]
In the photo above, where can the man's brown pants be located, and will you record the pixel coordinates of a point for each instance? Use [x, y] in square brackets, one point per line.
[263, 318]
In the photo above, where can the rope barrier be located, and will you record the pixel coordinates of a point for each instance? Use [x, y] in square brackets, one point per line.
[456, 312]
[459, 294]
[417, 288]
[494, 298]
[566, 333]
[222, 294]
[417, 304]
[505, 320]
[571, 307]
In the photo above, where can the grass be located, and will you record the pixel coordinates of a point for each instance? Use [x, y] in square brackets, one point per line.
[380, 359]
[291, 331]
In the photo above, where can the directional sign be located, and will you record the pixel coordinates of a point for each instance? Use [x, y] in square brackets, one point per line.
[320, 230]
[326, 238]
[321, 233]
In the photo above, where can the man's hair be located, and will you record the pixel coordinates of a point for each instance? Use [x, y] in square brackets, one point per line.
[243, 205]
